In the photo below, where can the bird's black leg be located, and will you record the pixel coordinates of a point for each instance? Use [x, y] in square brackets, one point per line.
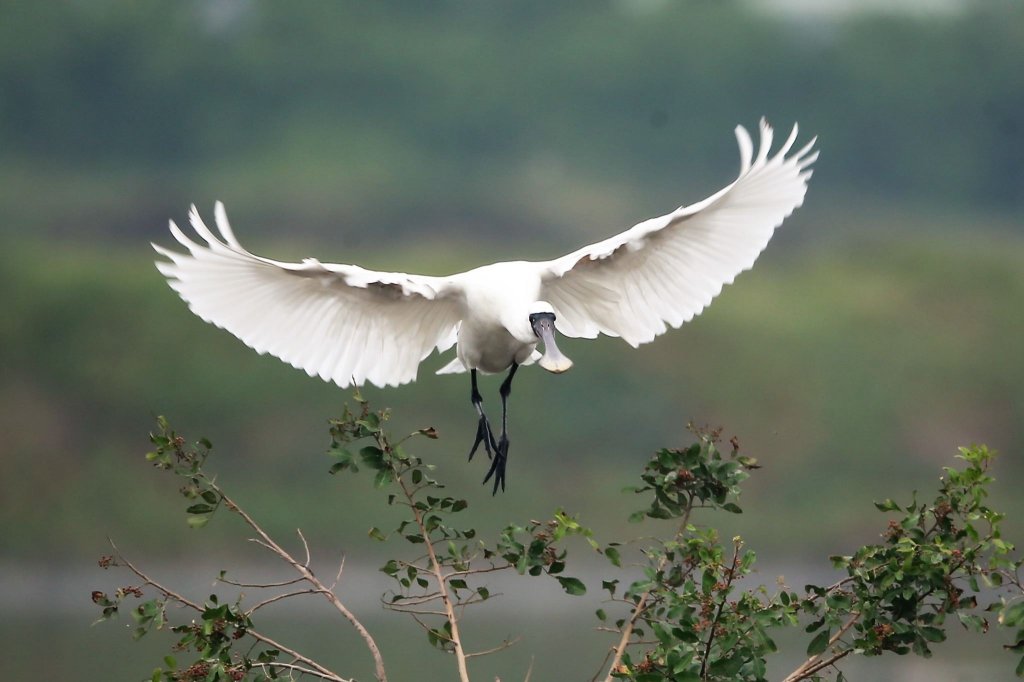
[483, 429]
[501, 449]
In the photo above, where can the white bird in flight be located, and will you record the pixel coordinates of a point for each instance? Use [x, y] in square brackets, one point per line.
[350, 325]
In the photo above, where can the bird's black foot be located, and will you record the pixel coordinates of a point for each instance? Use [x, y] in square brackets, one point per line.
[498, 465]
[485, 436]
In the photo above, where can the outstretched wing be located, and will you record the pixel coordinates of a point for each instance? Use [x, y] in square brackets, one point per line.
[667, 270]
[340, 322]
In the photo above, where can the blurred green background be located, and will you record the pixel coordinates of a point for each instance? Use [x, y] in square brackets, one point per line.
[881, 329]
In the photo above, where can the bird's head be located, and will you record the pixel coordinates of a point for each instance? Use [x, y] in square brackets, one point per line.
[542, 320]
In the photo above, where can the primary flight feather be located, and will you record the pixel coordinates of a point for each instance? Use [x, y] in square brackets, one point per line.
[350, 325]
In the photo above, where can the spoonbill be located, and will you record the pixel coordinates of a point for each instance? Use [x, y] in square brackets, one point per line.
[350, 325]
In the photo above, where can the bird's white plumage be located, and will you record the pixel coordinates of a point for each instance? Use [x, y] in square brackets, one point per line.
[340, 322]
[350, 325]
[666, 270]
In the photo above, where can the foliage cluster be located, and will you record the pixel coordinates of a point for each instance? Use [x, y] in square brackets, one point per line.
[691, 616]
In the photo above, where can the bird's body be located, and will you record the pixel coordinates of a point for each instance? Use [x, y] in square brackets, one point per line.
[350, 325]
[495, 329]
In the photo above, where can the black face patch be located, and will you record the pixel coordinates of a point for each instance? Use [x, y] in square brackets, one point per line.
[536, 317]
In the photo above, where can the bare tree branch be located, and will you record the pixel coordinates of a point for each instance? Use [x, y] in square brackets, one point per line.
[278, 597]
[281, 583]
[322, 672]
[412, 601]
[501, 647]
[269, 667]
[337, 577]
[442, 584]
[305, 546]
[304, 570]
[814, 663]
[149, 581]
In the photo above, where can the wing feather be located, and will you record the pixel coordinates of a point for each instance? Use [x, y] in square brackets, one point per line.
[668, 269]
[342, 323]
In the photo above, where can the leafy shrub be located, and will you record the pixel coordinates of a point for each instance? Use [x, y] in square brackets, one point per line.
[690, 617]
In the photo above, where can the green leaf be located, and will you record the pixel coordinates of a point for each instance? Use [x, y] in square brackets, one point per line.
[457, 583]
[707, 582]
[198, 521]
[819, 643]
[1012, 615]
[382, 478]
[613, 556]
[973, 622]
[688, 676]
[572, 586]
[201, 508]
[727, 667]
[372, 456]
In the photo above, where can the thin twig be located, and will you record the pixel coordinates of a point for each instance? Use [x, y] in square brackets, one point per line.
[422, 612]
[600, 668]
[299, 669]
[305, 546]
[265, 545]
[501, 647]
[337, 577]
[278, 597]
[149, 581]
[282, 583]
[427, 627]
[476, 599]
[411, 601]
[814, 663]
[474, 571]
[821, 665]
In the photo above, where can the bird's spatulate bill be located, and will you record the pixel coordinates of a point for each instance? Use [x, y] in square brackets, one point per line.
[552, 360]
